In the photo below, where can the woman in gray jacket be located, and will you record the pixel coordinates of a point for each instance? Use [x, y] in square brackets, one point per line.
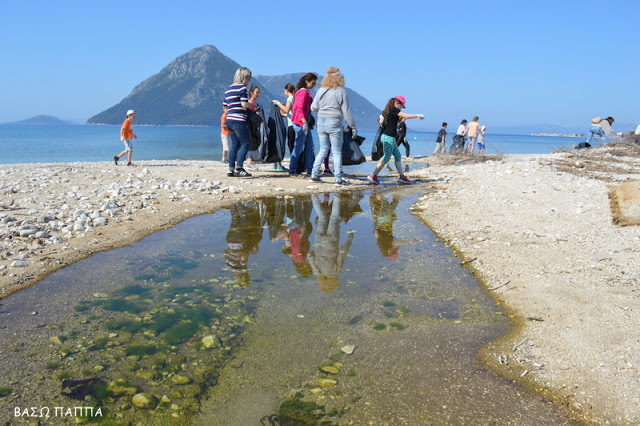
[332, 105]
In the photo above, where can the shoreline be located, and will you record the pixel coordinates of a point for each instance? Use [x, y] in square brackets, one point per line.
[529, 221]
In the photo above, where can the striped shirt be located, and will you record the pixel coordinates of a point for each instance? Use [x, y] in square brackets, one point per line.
[233, 98]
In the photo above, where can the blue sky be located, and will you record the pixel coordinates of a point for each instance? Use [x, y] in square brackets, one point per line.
[510, 62]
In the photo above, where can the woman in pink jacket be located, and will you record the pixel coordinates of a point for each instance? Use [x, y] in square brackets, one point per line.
[301, 110]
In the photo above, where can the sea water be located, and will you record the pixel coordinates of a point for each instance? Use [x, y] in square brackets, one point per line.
[58, 143]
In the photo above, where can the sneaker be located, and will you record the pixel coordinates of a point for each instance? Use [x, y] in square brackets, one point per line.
[315, 179]
[249, 166]
[230, 173]
[115, 158]
[328, 172]
[129, 164]
[374, 179]
[294, 174]
[404, 179]
[342, 182]
[280, 169]
[240, 172]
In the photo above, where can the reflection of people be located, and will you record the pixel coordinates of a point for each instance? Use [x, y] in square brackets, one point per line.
[126, 136]
[243, 237]
[389, 121]
[383, 212]
[327, 258]
[295, 231]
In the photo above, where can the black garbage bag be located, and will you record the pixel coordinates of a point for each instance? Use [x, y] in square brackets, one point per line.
[274, 148]
[351, 152]
[377, 150]
[457, 147]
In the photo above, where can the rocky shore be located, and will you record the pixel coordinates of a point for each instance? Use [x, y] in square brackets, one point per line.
[537, 229]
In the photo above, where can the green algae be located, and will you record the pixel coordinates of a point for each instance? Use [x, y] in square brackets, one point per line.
[388, 304]
[356, 319]
[397, 325]
[295, 411]
[133, 289]
[54, 365]
[379, 326]
[4, 391]
[119, 305]
[124, 324]
[141, 350]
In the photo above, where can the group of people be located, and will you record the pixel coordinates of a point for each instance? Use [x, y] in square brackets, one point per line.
[473, 131]
[331, 105]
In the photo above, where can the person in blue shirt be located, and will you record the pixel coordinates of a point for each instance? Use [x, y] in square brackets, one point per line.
[441, 144]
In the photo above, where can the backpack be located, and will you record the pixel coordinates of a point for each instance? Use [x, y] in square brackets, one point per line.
[596, 120]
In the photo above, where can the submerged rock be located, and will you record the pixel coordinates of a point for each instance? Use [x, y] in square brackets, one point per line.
[348, 349]
[144, 400]
[325, 383]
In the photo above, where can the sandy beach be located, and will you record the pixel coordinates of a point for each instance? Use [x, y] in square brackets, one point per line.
[536, 229]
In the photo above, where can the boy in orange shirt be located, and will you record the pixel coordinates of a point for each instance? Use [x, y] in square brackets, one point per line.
[126, 136]
[224, 134]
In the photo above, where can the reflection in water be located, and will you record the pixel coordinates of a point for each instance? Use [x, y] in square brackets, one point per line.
[180, 315]
[295, 230]
[383, 212]
[327, 257]
[243, 238]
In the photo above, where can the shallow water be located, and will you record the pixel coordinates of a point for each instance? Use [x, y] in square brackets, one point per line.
[235, 314]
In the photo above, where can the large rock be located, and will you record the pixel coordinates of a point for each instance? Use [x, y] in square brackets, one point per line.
[625, 203]
[144, 400]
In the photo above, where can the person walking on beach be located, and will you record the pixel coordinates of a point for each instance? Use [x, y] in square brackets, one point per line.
[224, 134]
[441, 145]
[285, 111]
[601, 127]
[332, 105]
[472, 132]
[237, 101]
[126, 136]
[481, 140]
[301, 110]
[389, 122]
[457, 147]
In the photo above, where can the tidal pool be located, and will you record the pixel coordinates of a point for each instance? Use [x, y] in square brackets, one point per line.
[323, 309]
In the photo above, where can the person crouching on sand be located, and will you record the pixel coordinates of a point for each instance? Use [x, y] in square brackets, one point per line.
[389, 123]
[126, 136]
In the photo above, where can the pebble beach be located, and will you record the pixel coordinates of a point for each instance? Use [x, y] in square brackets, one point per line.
[536, 229]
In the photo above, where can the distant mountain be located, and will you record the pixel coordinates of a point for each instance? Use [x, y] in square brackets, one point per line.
[43, 119]
[190, 90]
[364, 112]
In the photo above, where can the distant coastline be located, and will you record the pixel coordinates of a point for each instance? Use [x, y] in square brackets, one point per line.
[565, 135]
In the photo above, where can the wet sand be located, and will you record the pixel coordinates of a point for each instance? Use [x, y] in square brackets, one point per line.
[539, 235]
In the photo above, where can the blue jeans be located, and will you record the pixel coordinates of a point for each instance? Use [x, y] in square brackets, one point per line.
[329, 134]
[303, 141]
[240, 139]
[596, 130]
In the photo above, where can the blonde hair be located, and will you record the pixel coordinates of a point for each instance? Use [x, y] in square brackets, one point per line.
[333, 79]
[241, 74]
